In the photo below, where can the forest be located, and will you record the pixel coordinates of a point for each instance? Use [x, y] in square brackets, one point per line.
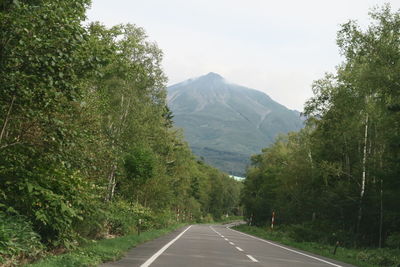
[88, 148]
[338, 178]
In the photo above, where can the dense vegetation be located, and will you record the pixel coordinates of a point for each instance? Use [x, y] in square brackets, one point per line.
[338, 178]
[87, 144]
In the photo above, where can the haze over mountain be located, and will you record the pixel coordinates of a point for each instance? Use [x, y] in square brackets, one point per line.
[226, 123]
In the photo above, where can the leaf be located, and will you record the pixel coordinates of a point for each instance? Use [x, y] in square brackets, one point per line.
[30, 187]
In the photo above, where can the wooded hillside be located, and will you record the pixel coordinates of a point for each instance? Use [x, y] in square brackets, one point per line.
[338, 179]
[87, 144]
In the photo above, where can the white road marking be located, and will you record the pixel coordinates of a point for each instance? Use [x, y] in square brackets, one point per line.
[158, 253]
[276, 245]
[222, 236]
[215, 231]
[226, 239]
[251, 258]
[231, 243]
[239, 249]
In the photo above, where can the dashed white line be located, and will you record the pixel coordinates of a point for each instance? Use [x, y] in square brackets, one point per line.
[276, 245]
[239, 249]
[251, 258]
[158, 253]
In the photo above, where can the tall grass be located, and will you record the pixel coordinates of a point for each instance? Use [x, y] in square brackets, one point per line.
[104, 250]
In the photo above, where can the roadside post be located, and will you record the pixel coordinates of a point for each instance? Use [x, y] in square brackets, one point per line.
[336, 246]
[272, 220]
[138, 227]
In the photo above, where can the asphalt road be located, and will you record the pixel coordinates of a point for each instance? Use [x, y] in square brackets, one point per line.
[217, 245]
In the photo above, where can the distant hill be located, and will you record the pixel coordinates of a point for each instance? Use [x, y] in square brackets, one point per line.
[226, 123]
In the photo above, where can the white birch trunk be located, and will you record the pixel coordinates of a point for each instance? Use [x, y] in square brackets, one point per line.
[364, 167]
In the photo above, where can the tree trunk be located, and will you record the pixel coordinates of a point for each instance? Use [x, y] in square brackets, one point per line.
[3, 129]
[347, 158]
[364, 162]
[111, 184]
[381, 215]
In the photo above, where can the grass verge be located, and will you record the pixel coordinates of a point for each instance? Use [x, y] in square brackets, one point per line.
[101, 251]
[357, 257]
[230, 219]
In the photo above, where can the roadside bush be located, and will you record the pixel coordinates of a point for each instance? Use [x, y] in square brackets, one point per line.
[52, 197]
[164, 219]
[123, 218]
[17, 239]
[321, 232]
[305, 233]
[93, 222]
[393, 241]
[207, 219]
[380, 257]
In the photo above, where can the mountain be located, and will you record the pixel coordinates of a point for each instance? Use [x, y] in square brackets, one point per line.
[226, 123]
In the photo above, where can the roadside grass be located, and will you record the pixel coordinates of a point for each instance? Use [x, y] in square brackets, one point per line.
[357, 257]
[96, 252]
[230, 219]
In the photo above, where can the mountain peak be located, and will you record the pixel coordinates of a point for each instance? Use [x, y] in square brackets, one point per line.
[227, 123]
[213, 76]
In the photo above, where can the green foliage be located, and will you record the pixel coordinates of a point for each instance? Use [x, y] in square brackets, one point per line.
[140, 165]
[338, 177]
[53, 199]
[393, 241]
[101, 251]
[87, 148]
[123, 218]
[382, 257]
[17, 239]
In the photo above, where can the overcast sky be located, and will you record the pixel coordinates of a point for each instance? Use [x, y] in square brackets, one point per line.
[278, 47]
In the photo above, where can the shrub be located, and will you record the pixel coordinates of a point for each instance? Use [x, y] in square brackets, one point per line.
[53, 198]
[93, 223]
[393, 241]
[380, 257]
[207, 219]
[123, 218]
[164, 219]
[305, 233]
[17, 239]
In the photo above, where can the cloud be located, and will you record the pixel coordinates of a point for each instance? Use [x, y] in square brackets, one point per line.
[278, 47]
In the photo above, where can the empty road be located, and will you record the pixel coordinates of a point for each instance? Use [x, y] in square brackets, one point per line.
[217, 245]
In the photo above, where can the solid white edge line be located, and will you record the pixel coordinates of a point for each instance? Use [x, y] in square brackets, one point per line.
[239, 249]
[251, 258]
[276, 245]
[158, 253]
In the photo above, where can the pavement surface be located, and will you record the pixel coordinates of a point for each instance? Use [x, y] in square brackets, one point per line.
[218, 245]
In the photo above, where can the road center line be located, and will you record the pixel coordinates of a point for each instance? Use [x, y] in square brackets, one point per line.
[276, 245]
[226, 239]
[158, 253]
[251, 258]
[239, 249]
[231, 243]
